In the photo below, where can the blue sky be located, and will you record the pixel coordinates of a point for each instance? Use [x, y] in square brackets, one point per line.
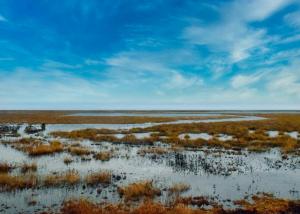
[158, 54]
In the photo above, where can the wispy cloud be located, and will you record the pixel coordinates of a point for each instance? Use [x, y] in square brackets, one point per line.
[293, 19]
[233, 34]
[242, 80]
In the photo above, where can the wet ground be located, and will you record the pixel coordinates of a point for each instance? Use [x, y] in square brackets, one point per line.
[224, 175]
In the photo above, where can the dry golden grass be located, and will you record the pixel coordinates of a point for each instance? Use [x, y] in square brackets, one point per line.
[270, 205]
[139, 190]
[104, 155]
[28, 167]
[257, 140]
[78, 150]
[6, 167]
[68, 160]
[68, 178]
[154, 150]
[44, 149]
[86, 207]
[11, 182]
[179, 188]
[260, 205]
[95, 178]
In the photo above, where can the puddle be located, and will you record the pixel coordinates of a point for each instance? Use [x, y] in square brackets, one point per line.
[193, 136]
[294, 134]
[224, 137]
[272, 133]
[205, 136]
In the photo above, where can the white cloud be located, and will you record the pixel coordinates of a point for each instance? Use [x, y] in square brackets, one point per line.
[59, 65]
[23, 86]
[254, 10]
[92, 62]
[242, 80]
[287, 81]
[180, 81]
[233, 34]
[293, 19]
[289, 39]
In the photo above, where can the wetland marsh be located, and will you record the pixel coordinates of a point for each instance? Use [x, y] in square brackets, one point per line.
[204, 162]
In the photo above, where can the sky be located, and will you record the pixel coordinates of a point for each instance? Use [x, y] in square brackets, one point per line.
[155, 54]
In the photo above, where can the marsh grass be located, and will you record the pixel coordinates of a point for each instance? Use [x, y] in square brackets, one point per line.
[179, 188]
[249, 135]
[260, 205]
[79, 150]
[13, 182]
[154, 150]
[6, 167]
[68, 160]
[34, 147]
[28, 167]
[96, 178]
[68, 178]
[103, 155]
[139, 190]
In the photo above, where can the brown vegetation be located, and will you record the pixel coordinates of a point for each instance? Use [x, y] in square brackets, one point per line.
[6, 167]
[260, 205]
[45, 149]
[68, 160]
[179, 188]
[28, 167]
[104, 155]
[35, 147]
[139, 190]
[99, 178]
[67, 178]
[257, 140]
[154, 150]
[12, 182]
[78, 150]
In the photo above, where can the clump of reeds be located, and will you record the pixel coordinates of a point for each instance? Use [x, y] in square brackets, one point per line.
[68, 160]
[260, 205]
[179, 188]
[6, 167]
[155, 150]
[28, 167]
[79, 151]
[95, 178]
[103, 156]
[12, 182]
[45, 149]
[68, 178]
[138, 190]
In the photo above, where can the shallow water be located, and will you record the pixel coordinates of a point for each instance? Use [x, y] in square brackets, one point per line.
[70, 127]
[216, 173]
